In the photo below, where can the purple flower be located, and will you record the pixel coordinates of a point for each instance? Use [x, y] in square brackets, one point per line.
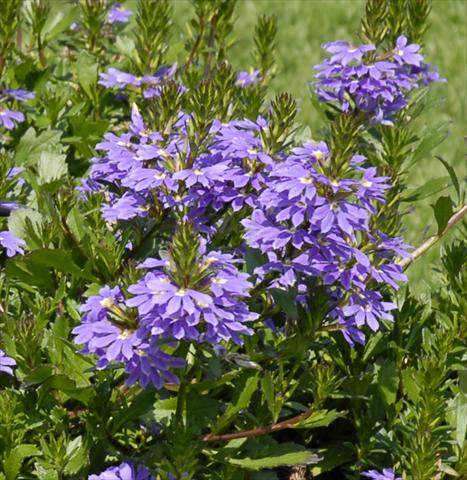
[376, 85]
[20, 94]
[245, 79]
[368, 308]
[344, 53]
[6, 363]
[118, 14]
[386, 474]
[117, 78]
[12, 244]
[150, 365]
[7, 207]
[9, 118]
[212, 310]
[125, 471]
[14, 171]
[404, 53]
[106, 330]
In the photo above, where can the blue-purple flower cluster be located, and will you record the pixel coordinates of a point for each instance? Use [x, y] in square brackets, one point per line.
[6, 363]
[10, 118]
[124, 471]
[148, 84]
[313, 227]
[358, 79]
[162, 310]
[386, 474]
[118, 14]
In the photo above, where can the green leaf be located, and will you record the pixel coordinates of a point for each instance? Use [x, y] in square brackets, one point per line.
[39, 374]
[254, 258]
[431, 139]
[267, 387]
[321, 418]
[452, 174]
[285, 454]
[60, 18]
[17, 222]
[410, 384]
[12, 463]
[244, 392]
[30, 146]
[67, 386]
[141, 404]
[86, 72]
[286, 300]
[200, 411]
[461, 419]
[164, 409]
[430, 188]
[51, 167]
[332, 457]
[388, 382]
[76, 456]
[443, 212]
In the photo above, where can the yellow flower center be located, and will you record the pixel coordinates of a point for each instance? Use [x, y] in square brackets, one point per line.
[306, 180]
[106, 302]
[124, 334]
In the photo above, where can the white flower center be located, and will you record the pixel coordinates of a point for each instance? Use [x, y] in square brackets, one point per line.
[367, 183]
[306, 180]
[197, 171]
[181, 292]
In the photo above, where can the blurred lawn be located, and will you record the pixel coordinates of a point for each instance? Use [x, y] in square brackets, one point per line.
[305, 24]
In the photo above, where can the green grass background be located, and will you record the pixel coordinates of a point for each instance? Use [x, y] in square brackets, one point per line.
[305, 24]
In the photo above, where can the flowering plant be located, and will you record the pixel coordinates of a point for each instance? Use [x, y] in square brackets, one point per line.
[194, 287]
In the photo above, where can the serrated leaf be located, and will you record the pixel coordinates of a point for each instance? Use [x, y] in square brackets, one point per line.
[443, 212]
[12, 463]
[285, 454]
[321, 418]
[242, 399]
[51, 167]
[410, 384]
[76, 456]
[164, 409]
[17, 221]
[31, 145]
